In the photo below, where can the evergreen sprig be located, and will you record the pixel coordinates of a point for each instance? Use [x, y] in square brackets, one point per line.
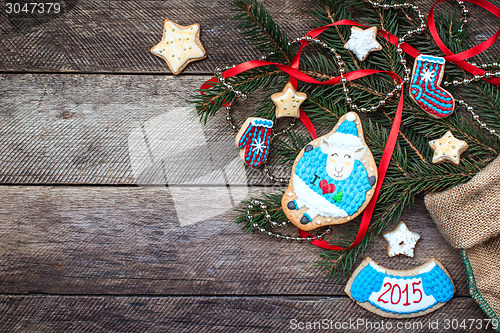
[259, 29]
[410, 172]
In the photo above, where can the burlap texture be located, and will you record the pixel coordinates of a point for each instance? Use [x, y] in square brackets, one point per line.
[468, 216]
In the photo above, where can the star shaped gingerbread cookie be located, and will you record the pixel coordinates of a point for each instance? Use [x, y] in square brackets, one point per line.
[288, 102]
[179, 45]
[447, 149]
[401, 241]
[362, 42]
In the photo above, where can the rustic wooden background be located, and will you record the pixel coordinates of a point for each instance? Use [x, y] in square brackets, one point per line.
[92, 128]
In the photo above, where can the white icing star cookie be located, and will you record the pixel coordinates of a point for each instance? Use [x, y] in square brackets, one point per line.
[362, 42]
[179, 45]
[288, 102]
[447, 149]
[401, 241]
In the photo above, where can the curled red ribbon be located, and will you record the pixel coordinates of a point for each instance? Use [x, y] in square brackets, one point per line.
[295, 75]
[459, 58]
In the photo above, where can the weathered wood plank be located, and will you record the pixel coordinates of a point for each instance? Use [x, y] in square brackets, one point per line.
[101, 129]
[219, 314]
[116, 36]
[112, 240]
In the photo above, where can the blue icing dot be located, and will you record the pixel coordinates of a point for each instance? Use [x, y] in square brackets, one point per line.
[353, 188]
[438, 284]
[367, 281]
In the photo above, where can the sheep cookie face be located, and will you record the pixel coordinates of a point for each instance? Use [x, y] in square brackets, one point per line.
[333, 178]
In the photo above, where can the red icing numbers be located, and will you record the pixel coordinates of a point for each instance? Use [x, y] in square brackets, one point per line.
[385, 292]
[398, 294]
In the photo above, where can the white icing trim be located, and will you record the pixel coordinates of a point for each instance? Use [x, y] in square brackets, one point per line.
[343, 140]
[432, 59]
[315, 202]
[427, 268]
[351, 116]
[261, 122]
[378, 268]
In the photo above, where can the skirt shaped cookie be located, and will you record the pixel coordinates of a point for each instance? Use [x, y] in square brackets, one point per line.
[400, 294]
[333, 178]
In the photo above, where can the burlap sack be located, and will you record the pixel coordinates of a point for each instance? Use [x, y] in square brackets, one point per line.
[468, 216]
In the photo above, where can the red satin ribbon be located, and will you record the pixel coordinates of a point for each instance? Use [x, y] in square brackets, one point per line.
[382, 169]
[295, 74]
[209, 84]
[459, 58]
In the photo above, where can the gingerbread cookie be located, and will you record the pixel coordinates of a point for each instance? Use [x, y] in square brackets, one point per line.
[253, 139]
[401, 241]
[400, 294]
[333, 178]
[179, 45]
[425, 87]
[362, 42]
[447, 149]
[288, 102]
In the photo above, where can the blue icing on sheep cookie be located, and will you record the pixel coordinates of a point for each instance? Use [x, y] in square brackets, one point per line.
[312, 169]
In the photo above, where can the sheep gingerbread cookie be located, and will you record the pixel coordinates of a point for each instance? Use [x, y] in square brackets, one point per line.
[333, 178]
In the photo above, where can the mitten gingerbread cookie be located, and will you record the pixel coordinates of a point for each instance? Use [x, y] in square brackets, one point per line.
[333, 178]
[253, 139]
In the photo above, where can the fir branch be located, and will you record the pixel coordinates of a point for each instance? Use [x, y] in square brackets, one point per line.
[410, 173]
[291, 148]
[209, 101]
[261, 31]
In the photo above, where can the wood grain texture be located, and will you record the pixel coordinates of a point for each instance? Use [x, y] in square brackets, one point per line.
[115, 36]
[87, 240]
[216, 314]
[102, 129]
[153, 257]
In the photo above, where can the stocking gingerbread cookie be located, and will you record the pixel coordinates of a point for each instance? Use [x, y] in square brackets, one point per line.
[425, 87]
[333, 178]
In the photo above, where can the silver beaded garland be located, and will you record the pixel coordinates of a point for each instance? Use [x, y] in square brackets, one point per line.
[475, 116]
[274, 224]
[407, 71]
[421, 16]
